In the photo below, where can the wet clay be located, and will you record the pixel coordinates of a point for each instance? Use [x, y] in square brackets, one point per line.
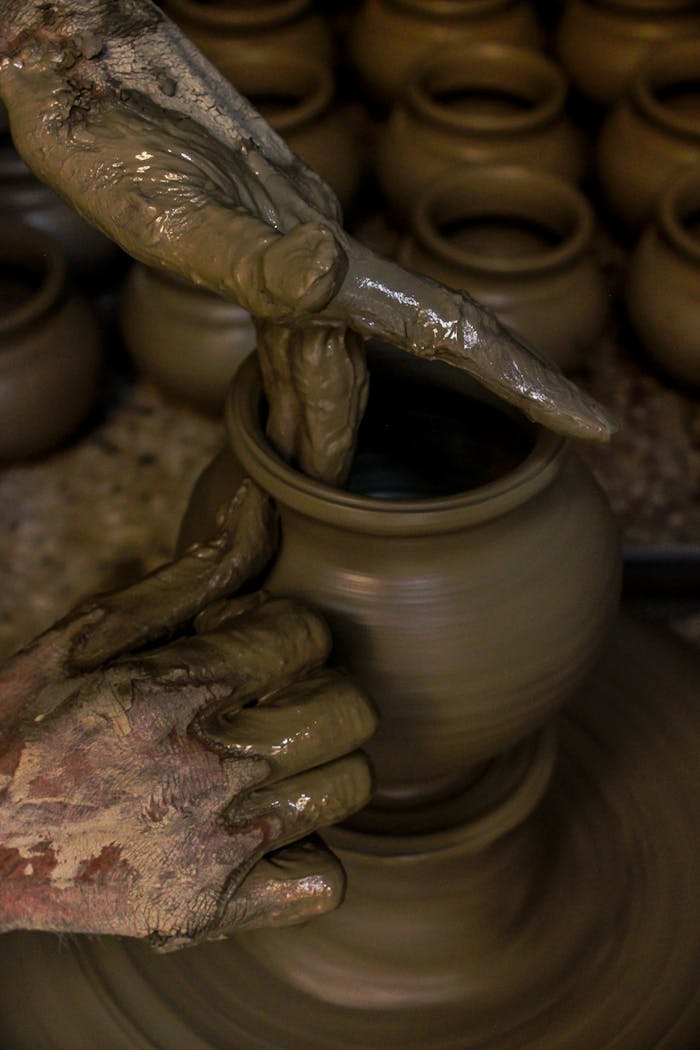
[111, 105]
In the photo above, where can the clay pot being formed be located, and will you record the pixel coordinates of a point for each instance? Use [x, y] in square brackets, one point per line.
[391, 37]
[652, 133]
[468, 574]
[294, 93]
[519, 241]
[188, 340]
[602, 42]
[479, 104]
[236, 30]
[50, 347]
[663, 283]
[23, 197]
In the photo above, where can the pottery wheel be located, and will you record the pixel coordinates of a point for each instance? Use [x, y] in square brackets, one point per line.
[601, 951]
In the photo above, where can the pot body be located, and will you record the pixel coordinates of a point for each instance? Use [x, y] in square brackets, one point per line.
[469, 619]
[188, 340]
[231, 32]
[482, 104]
[390, 37]
[50, 349]
[662, 297]
[648, 137]
[601, 42]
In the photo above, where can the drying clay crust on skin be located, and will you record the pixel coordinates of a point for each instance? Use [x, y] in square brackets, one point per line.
[118, 111]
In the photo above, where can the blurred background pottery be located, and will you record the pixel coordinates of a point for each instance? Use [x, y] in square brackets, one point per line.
[295, 94]
[652, 133]
[663, 283]
[236, 30]
[478, 104]
[188, 340]
[50, 346]
[602, 42]
[390, 37]
[519, 241]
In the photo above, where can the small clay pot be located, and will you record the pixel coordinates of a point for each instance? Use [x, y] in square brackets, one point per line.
[478, 104]
[519, 241]
[389, 38]
[188, 340]
[468, 574]
[652, 133]
[663, 284]
[230, 31]
[602, 42]
[294, 93]
[50, 346]
[93, 257]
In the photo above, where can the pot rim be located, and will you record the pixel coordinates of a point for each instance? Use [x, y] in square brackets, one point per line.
[378, 517]
[247, 16]
[452, 8]
[315, 79]
[676, 63]
[489, 64]
[649, 7]
[24, 245]
[457, 188]
[680, 200]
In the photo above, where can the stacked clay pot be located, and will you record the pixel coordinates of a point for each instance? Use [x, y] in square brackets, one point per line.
[294, 93]
[229, 31]
[663, 285]
[188, 340]
[478, 104]
[602, 42]
[50, 346]
[520, 241]
[652, 133]
[392, 37]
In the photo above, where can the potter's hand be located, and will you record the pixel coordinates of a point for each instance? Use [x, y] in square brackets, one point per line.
[149, 792]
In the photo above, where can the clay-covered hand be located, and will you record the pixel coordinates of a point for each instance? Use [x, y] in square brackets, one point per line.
[159, 790]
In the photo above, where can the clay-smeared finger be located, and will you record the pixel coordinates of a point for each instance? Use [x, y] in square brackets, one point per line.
[294, 808]
[287, 887]
[305, 724]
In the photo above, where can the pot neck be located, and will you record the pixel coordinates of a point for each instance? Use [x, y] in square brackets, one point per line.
[679, 206]
[379, 517]
[661, 9]
[238, 16]
[457, 10]
[289, 94]
[676, 68]
[26, 251]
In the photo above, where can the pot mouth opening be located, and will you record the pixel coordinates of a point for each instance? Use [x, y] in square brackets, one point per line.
[488, 88]
[679, 214]
[458, 9]
[291, 93]
[507, 221]
[422, 464]
[238, 14]
[667, 88]
[32, 273]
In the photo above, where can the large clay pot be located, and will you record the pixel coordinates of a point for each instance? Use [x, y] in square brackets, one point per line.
[468, 575]
[390, 37]
[652, 133]
[294, 93]
[187, 339]
[237, 30]
[663, 284]
[50, 347]
[602, 42]
[519, 241]
[479, 104]
[93, 257]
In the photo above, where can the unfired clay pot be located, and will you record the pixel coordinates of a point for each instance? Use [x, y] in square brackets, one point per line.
[479, 104]
[390, 37]
[237, 30]
[294, 93]
[602, 42]
[663, 284]
[187, 339]
[519, 241]
[468, 575]
[24, 198]
[652, 133]
[50, 347]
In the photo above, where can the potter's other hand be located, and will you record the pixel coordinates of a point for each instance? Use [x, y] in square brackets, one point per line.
[168, 789]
